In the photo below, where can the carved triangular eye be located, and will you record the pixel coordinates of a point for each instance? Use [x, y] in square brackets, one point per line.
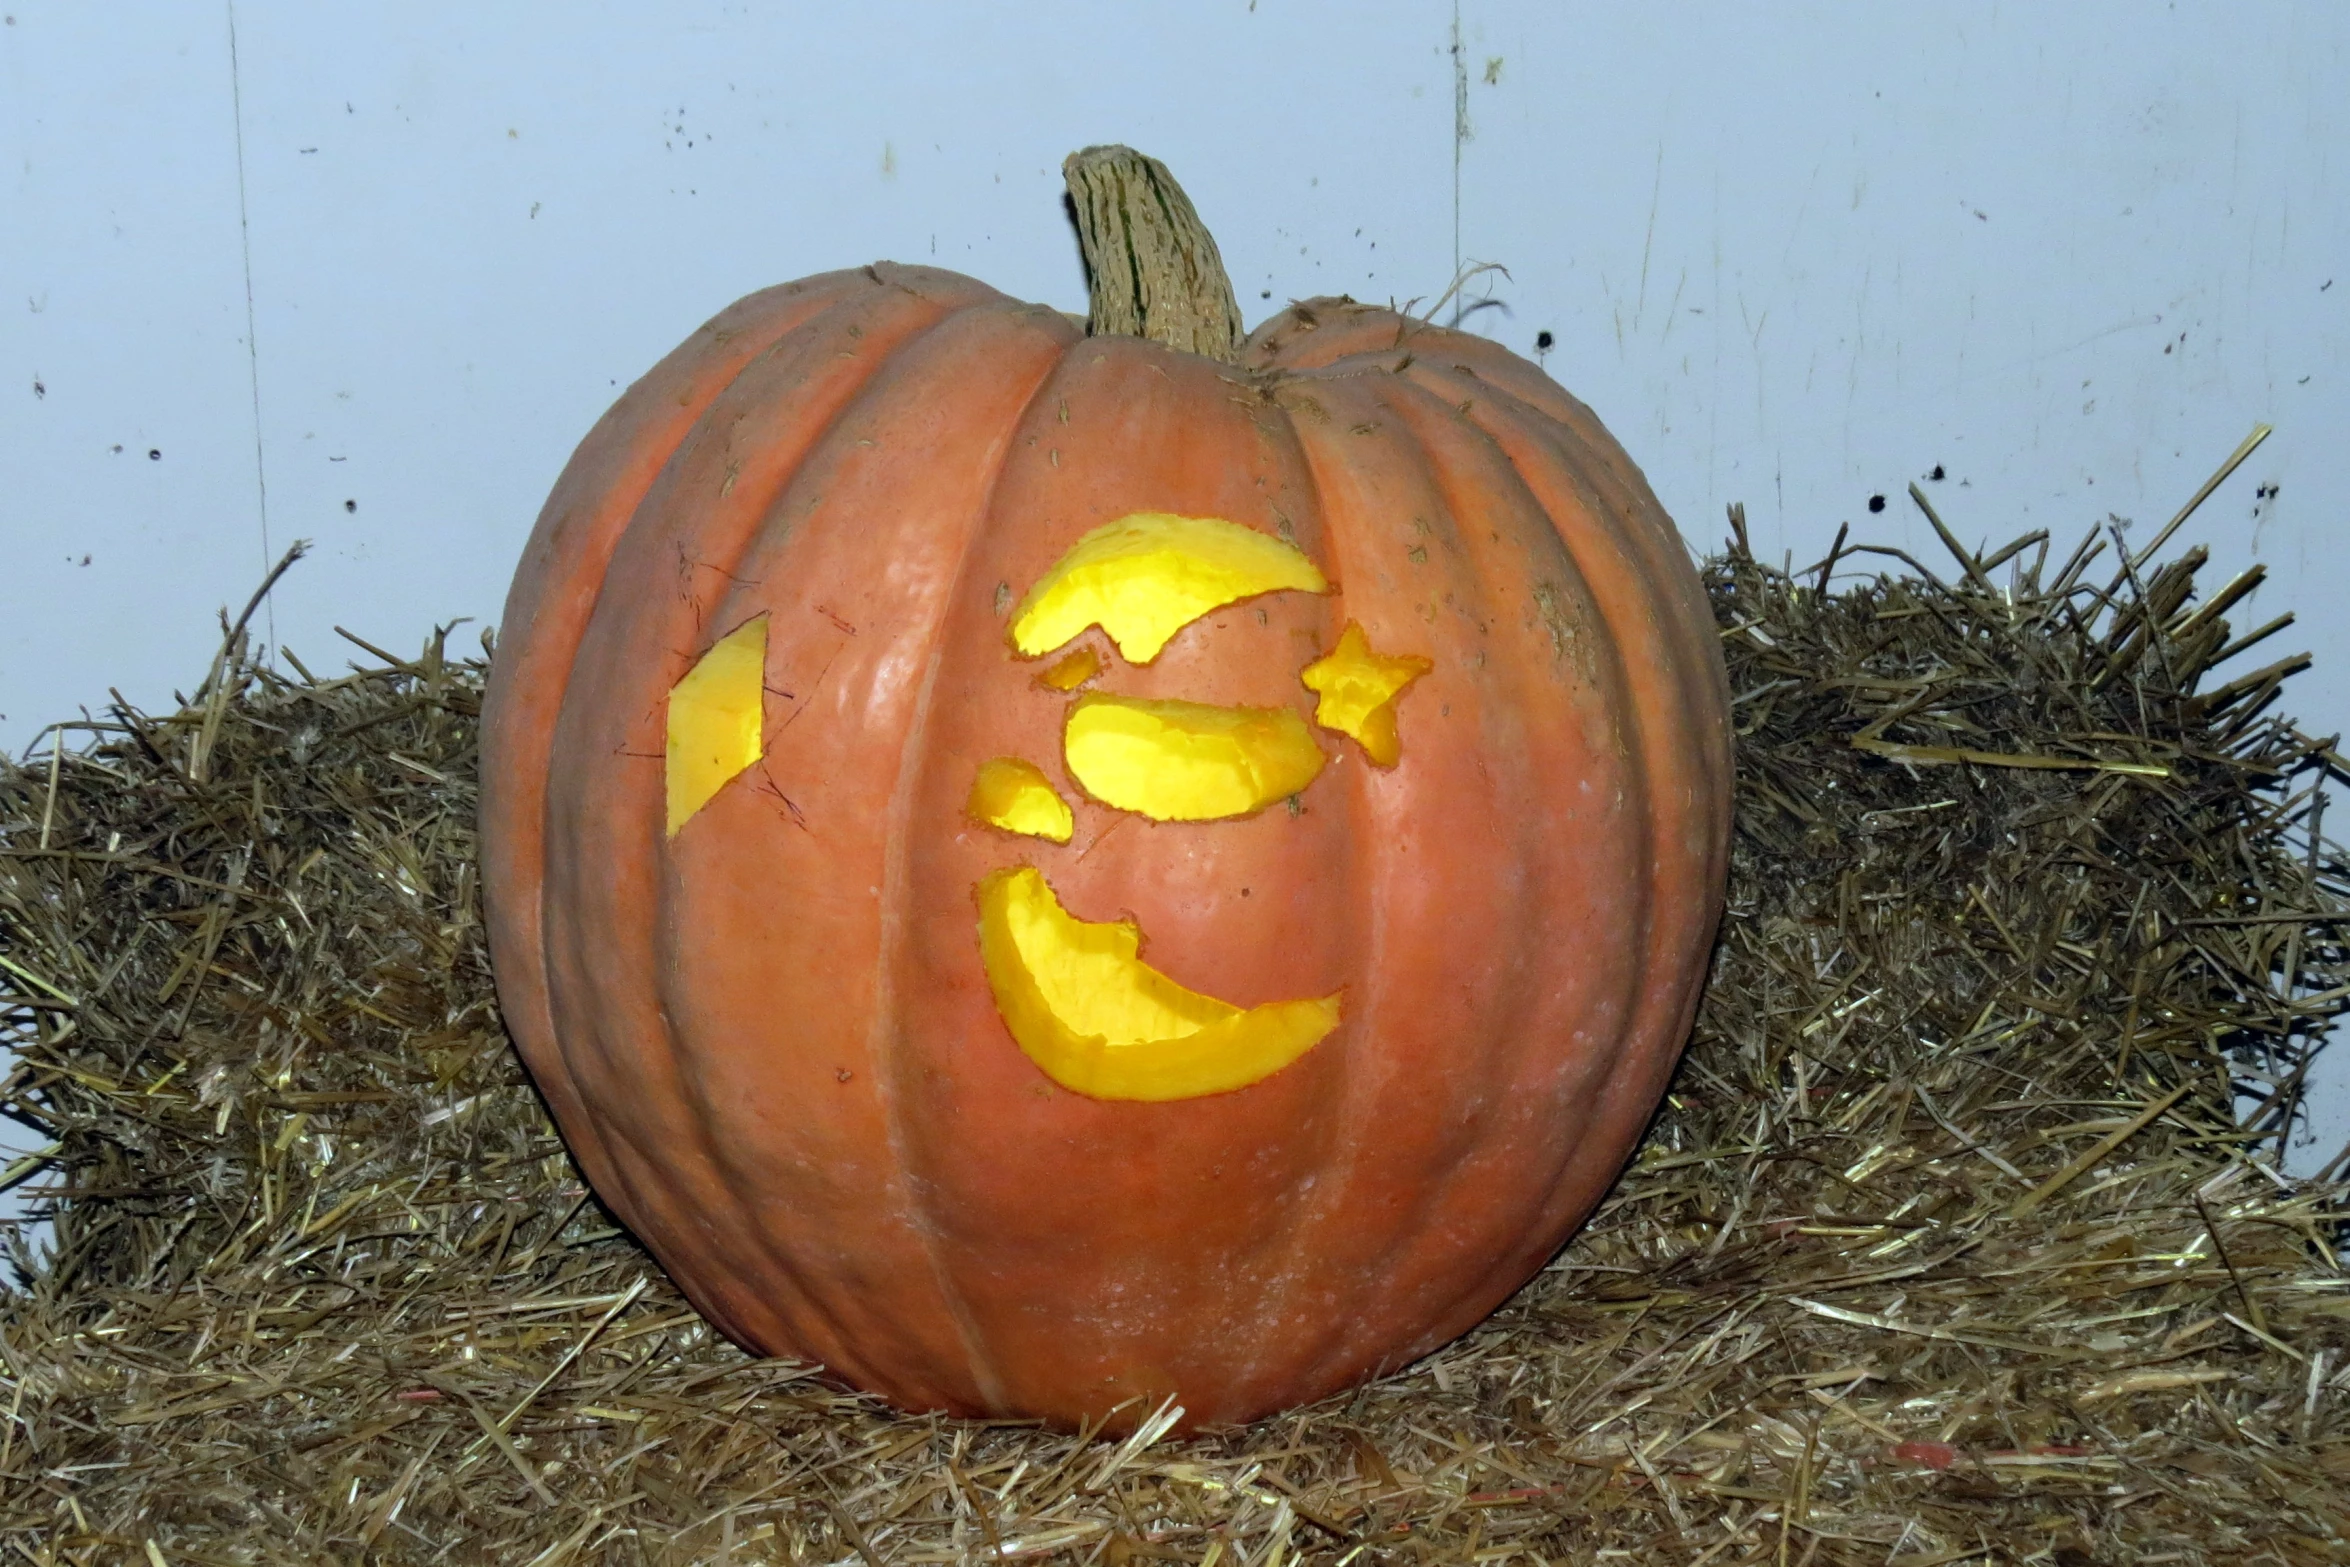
[715, 715]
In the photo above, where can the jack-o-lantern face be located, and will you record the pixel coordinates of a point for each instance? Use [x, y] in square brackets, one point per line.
[1044, 871]
[1077, 996]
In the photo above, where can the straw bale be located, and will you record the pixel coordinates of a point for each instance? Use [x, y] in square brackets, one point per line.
[1959, 1239]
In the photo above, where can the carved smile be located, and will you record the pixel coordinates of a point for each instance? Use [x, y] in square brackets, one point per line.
[1098, 1020]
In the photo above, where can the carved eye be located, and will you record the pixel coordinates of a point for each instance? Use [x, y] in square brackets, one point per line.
[1148, 575]
[1187, 761]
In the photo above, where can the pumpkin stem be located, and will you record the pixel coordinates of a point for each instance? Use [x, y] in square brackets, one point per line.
[1151, 267]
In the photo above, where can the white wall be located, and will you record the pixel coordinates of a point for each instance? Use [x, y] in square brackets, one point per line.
[1797, 255]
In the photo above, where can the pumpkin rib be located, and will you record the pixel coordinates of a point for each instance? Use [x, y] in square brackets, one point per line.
[857, 465]
[1357, 1104]
[1690, 860]
[891, 951]
[1437, 425]
[645, 519]
[873, 349]
[1374, 395]
[1364, 1000]
[1091, 1208]
[615, 466]
[1381, 577]
[516, 852]
[799, 391]
[808, 473]
[1360, 1006]
[1001, 1150]
[1292, 1288]
[1633, 1078]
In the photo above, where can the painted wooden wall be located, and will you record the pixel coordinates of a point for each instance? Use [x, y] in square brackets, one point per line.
[362, 273]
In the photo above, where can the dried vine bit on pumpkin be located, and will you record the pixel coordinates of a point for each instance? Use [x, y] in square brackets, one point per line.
[1097, 1020]
[1070, 672]
[1013, 793]
[715, 715]
[1176, 761]
[1148, 575]
[1358, 690]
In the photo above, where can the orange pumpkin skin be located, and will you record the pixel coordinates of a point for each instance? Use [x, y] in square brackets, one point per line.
[769, 1039]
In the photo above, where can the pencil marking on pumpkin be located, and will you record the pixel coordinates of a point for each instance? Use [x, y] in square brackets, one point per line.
[768, 785]
[689, 563]
[794, 716]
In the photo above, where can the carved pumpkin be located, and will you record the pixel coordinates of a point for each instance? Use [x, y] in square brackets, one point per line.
[1048, 871]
